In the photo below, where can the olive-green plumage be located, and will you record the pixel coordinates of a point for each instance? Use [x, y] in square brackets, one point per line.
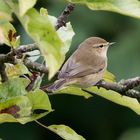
[86, 65]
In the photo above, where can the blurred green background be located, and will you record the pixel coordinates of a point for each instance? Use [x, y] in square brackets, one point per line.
[95, 118]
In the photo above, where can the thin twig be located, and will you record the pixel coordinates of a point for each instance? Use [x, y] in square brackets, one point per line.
[61, 20]
[35, 66]
[33, 79]
[28, 48]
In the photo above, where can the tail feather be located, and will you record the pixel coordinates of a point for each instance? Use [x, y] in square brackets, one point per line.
[57, 85]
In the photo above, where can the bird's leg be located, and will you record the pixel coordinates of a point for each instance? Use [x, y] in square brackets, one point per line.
[99, 83]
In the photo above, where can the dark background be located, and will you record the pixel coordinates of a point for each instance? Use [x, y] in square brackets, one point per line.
[95, 118]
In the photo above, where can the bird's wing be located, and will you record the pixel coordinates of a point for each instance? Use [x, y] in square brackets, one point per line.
[72, 69]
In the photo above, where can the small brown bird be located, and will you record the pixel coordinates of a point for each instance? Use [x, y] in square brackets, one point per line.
[86, 65]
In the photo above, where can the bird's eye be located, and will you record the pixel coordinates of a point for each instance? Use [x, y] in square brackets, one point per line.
[101, 46]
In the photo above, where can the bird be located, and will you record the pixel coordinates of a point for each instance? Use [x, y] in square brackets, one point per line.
[85, 67]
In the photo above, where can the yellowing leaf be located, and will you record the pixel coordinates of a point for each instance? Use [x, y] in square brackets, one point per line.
[9, 118]
[25, 5]
[5, 11]
[65, 132]
[53, 48]
[20, 107]
[126, 7]
[109, 77]
[9, 34]
[2, 39]
[41, 30]
[5, 16]
[14, 71]
[43, 12]
[117, 98]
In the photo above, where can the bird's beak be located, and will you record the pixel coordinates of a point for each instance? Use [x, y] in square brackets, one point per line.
[110, 44]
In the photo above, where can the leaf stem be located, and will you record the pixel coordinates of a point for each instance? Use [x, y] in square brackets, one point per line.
[46, 127]
[42, 125]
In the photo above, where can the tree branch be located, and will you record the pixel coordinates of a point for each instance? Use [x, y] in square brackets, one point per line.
[125, 87]
[10, 57]
[27, 48]
[35, 66]
[61, 20]
[3, 73]
[130, 83]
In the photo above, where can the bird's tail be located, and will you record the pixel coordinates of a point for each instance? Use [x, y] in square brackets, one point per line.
[57, 85]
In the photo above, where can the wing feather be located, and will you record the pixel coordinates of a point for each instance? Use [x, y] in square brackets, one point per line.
[73, 69]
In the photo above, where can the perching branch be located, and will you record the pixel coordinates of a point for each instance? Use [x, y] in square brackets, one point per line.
[125, 87]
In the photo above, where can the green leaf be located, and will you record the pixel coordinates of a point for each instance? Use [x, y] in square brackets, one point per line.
[17, 105]
[25, 5]
[65, 132]
[23, 114]
[117, 98]
[52, 46]
[5, 11]
[12, 88]
[126, 7]
[73, 91]
[40, 100]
